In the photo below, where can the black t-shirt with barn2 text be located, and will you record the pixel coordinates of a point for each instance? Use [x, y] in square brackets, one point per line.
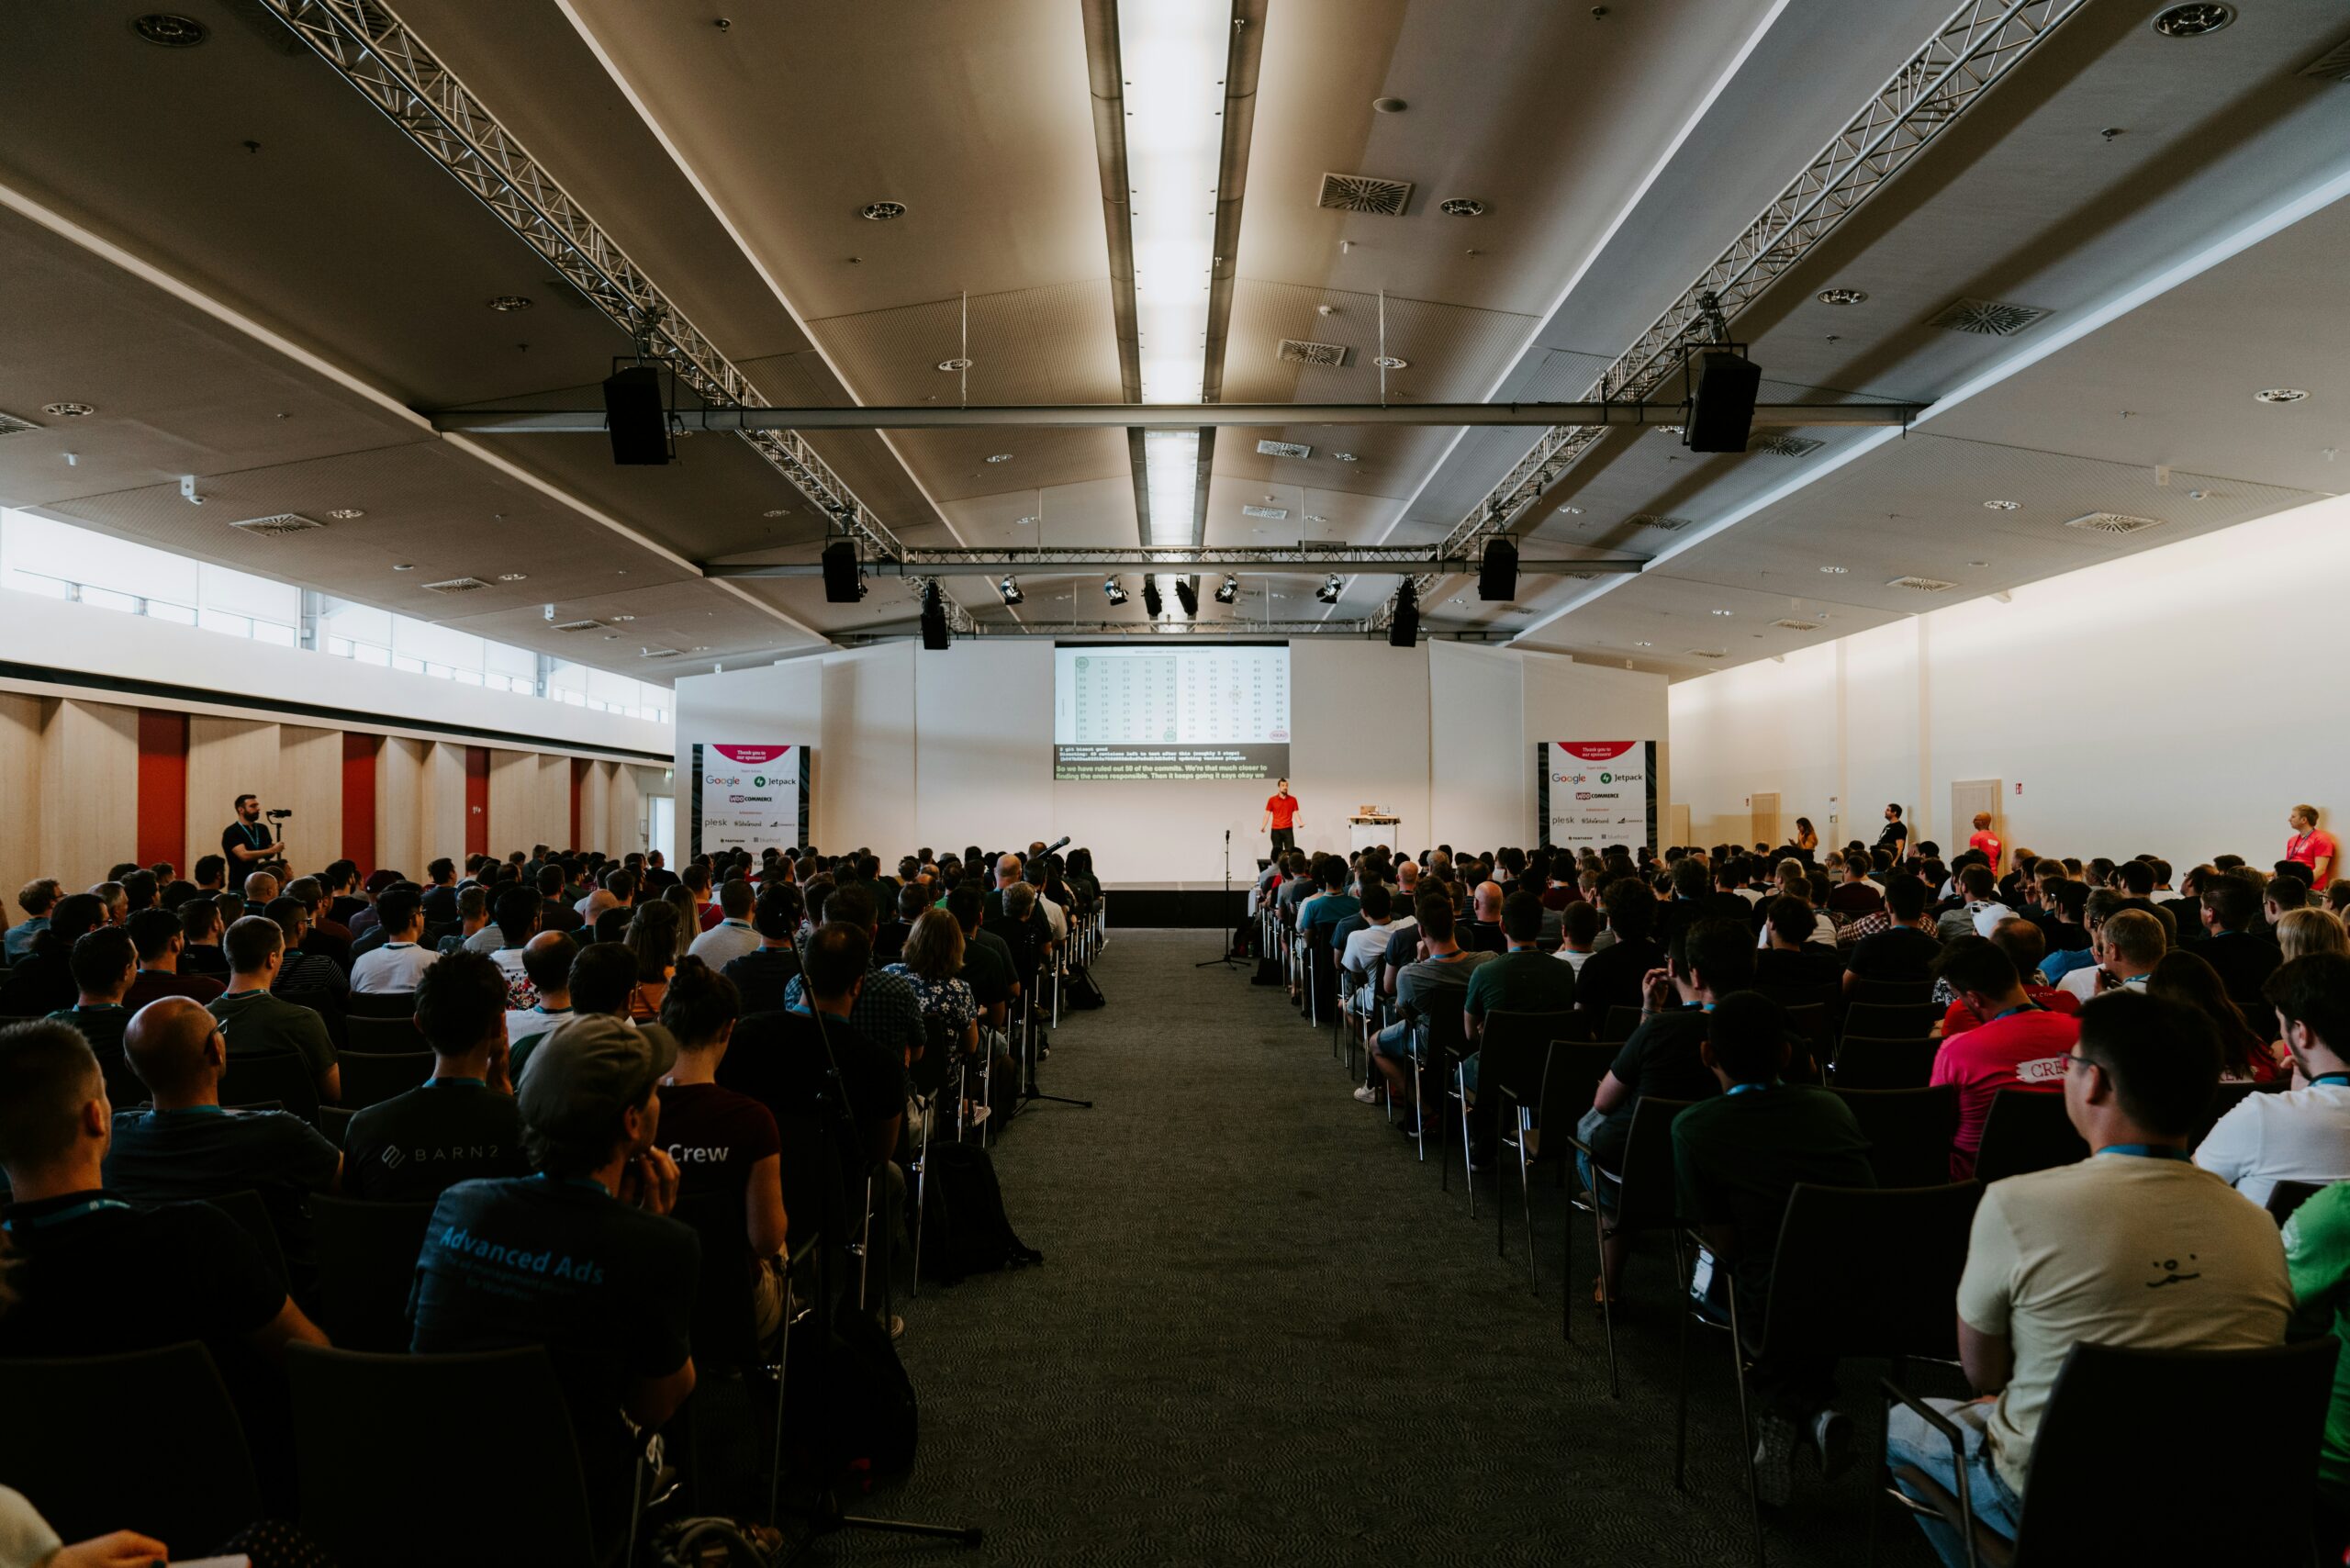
[414, 1147]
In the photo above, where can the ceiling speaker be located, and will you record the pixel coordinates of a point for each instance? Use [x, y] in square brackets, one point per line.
[1721, 413]
[632, 414]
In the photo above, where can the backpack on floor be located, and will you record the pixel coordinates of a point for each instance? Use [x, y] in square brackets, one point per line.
[861, 1417]
[964, 1227]
[1080, 992]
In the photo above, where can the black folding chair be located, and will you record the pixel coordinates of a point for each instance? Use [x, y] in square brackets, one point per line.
[366, 1255]
[1513, 1052]
[2150, 1429]
[1645, 1200]
[334, 1124]
[370, 1078]
[379, 1005]
[2026, 1130]
[1909, 1132]
[386, 1035]
[1620, 1022]
[1880, 1021]
[1890, 994]
[146, 1441]
[245, 1206]
[2286, 1197]
[1865, 1063]
[284, 1076]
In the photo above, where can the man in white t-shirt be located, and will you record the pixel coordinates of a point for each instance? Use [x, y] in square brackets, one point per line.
[546, 963]
[400, 962]
[2131, 1246]
[519, 911]
[733, 935]
[2301, 1135]
[2126, 948]
[1366, 948]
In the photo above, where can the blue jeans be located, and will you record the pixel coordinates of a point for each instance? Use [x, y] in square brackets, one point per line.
[1910, 1442]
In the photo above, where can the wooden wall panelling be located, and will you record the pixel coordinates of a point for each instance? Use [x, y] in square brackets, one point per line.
[89, 784]
[227, 757]
[22, 719]
[310, 768]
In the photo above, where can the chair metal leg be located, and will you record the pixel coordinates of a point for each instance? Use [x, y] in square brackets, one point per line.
[1606, 1296]
[1419, 1111]
[1501, 1208]
[1467, 1160]
[1745, 1424]
[1526, 1197]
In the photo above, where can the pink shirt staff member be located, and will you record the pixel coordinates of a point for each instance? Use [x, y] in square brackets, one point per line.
[2312, 846]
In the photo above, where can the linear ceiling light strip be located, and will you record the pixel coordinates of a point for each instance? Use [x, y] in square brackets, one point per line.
[373, 51]
[1981, 43]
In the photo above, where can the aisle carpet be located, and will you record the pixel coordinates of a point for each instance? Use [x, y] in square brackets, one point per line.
[1263, 1335]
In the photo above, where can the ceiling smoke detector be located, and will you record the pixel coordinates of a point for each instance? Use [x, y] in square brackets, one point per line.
[2003, 506]
[2193, 21]
[1986, 317]
[881, 212]
[278, 524]
[1389, 361]
[1841, 295]
[2112, 522]
[1778, 443]
[170, 30]
[1284, 449]
[69, 410]
[1299, 350]
[347, 514]
[507, 303]
[456, 585]
[2272, 394]
[1462, 206]
[1364, 192]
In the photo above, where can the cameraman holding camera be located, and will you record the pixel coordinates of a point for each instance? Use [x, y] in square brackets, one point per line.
[245, 843]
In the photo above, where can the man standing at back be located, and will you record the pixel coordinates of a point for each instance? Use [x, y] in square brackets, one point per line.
[2131, 1246]
[2019, 1045]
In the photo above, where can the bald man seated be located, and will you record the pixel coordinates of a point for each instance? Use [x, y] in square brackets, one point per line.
[1483, 932]
[186, 1146]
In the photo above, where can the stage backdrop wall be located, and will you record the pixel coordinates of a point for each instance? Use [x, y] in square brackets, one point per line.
[955, 747]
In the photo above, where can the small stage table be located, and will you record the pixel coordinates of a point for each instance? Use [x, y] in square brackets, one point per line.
[1365, 830]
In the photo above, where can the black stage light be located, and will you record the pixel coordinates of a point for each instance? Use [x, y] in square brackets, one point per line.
[1330, 589]
[1151, 603]
[632, 414]
[1229, 592]
[1010, 588]
[935, 636]
[1404, 629]
[1497, 571]
[1114, 591]
[843, 579]
[1721, 411]
[1188, 596]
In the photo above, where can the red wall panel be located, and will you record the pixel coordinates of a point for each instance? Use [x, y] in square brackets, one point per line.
[476, 800]
[580, 767]
[163, 788]
[359, 755]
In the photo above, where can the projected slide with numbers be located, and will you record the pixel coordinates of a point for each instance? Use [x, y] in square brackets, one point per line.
[1213, 711]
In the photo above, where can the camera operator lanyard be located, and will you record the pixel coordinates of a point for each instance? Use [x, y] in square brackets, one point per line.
[254, 835]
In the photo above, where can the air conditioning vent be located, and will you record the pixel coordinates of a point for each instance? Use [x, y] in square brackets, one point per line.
[2112, 522]
[1708, 652]
[1922, 585]
[577, 626]
[278, 525]
[1364, 192]
[1296, 351]
[2334, 65]
[11, 425]
[1271, 514]
[1778, 443]
[1651, 520]
[456, 585]
[1794, 625]
[1989, 318]
[1284, 448]
[658, 653]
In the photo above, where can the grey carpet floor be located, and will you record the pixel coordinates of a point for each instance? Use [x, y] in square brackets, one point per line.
[1264, 1335]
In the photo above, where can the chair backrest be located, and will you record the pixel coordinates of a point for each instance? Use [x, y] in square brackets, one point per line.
[936, 1064]
[146, 1441]
[1880, 1021]
[370, 1078]
[2161, 1426]
[724, 1328]
[394, 1036]
[1447, 1036]
[1909, 1132]
[2287, 1197]
[1513, 1051]
[1620, 1022]
[2027, 1130]
[1870, 1270]
[1576, 1068]
[366, 1255]
[251, 1215]
[380, 1005]
[1865, 1063]
[334, 1124]
[370, 1435]
[282, 1076]
[1648, 1201]
[1891, 993]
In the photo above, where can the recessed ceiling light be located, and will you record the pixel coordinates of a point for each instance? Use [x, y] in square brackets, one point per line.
[1841, 295]
[170, 30]
[346, 514]
[1314, 517]
[1389, 105]
[2193, 21]
[403, 565]
[2003, 506]
[1343, 456]
[1023, 521]
[67, 410]
[612, 636]
[622, 618]
[1389, 361]
[776, 511]
[953, 365]
[1462, 206]
[1725, 612]
[1001, 457]
[1571, 511]
[2279, 395]
[881, 211]
[1644, 645]
[1834, 571]
[508, 302]
[513, 577]
[699, 648]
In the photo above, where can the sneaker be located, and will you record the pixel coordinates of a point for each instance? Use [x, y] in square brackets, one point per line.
[1774, 1460]
[976, 1115]
[897, 1327]
[1367, 1094]
[1832, 1434]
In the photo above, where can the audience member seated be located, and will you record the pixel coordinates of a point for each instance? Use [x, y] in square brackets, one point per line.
[581, 1258]
[161, 938]
[2317, 1257]
[1907, 949]
[2126, 945]
[518, 922]
[2131, 1246]
[931, 962]
[460, 1124]
[987, 960]
[1737, 1157]
[1523, 978]
[2019, 1045]
[257, 1022]
[1980, 910]
[1792, 957]
[186, 1145]
[722, 1140]
[42, 981]
[733, 935]
[396, 964]
[2021, 940]
[2235, 946]
[1616, 971]
[763, 974]
[2301, 1133]
[104, 963]
[2246, 1054]
[653, 935]
[1426, 989]
[887, 1012]
[1578, 929]
[2300, 931]
[201, 925]
[547, 959]
[1855, 895]
[37, 899]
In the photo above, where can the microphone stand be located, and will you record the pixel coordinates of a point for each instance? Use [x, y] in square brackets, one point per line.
[1223, 959]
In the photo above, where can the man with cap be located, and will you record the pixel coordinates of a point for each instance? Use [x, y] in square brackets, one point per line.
[582, 1256]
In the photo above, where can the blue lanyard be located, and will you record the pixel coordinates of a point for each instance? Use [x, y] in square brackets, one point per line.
[437, 1083]
[2146, 1150]
[72, 1210]
[2027, 1007]
[588, 1182]
[1735, 1090]
[2336, 1078]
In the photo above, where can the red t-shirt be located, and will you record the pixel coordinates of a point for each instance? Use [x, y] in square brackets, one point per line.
[1284, 810]
[1988, 843]
[2312, 846]
[2021, 1050]
[1960, 1017]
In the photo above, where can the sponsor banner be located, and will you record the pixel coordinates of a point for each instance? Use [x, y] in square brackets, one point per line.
[749, 797]
[1593, 794]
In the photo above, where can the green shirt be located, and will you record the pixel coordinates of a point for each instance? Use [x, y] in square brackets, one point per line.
[1521, 982]
[2317, 1256]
